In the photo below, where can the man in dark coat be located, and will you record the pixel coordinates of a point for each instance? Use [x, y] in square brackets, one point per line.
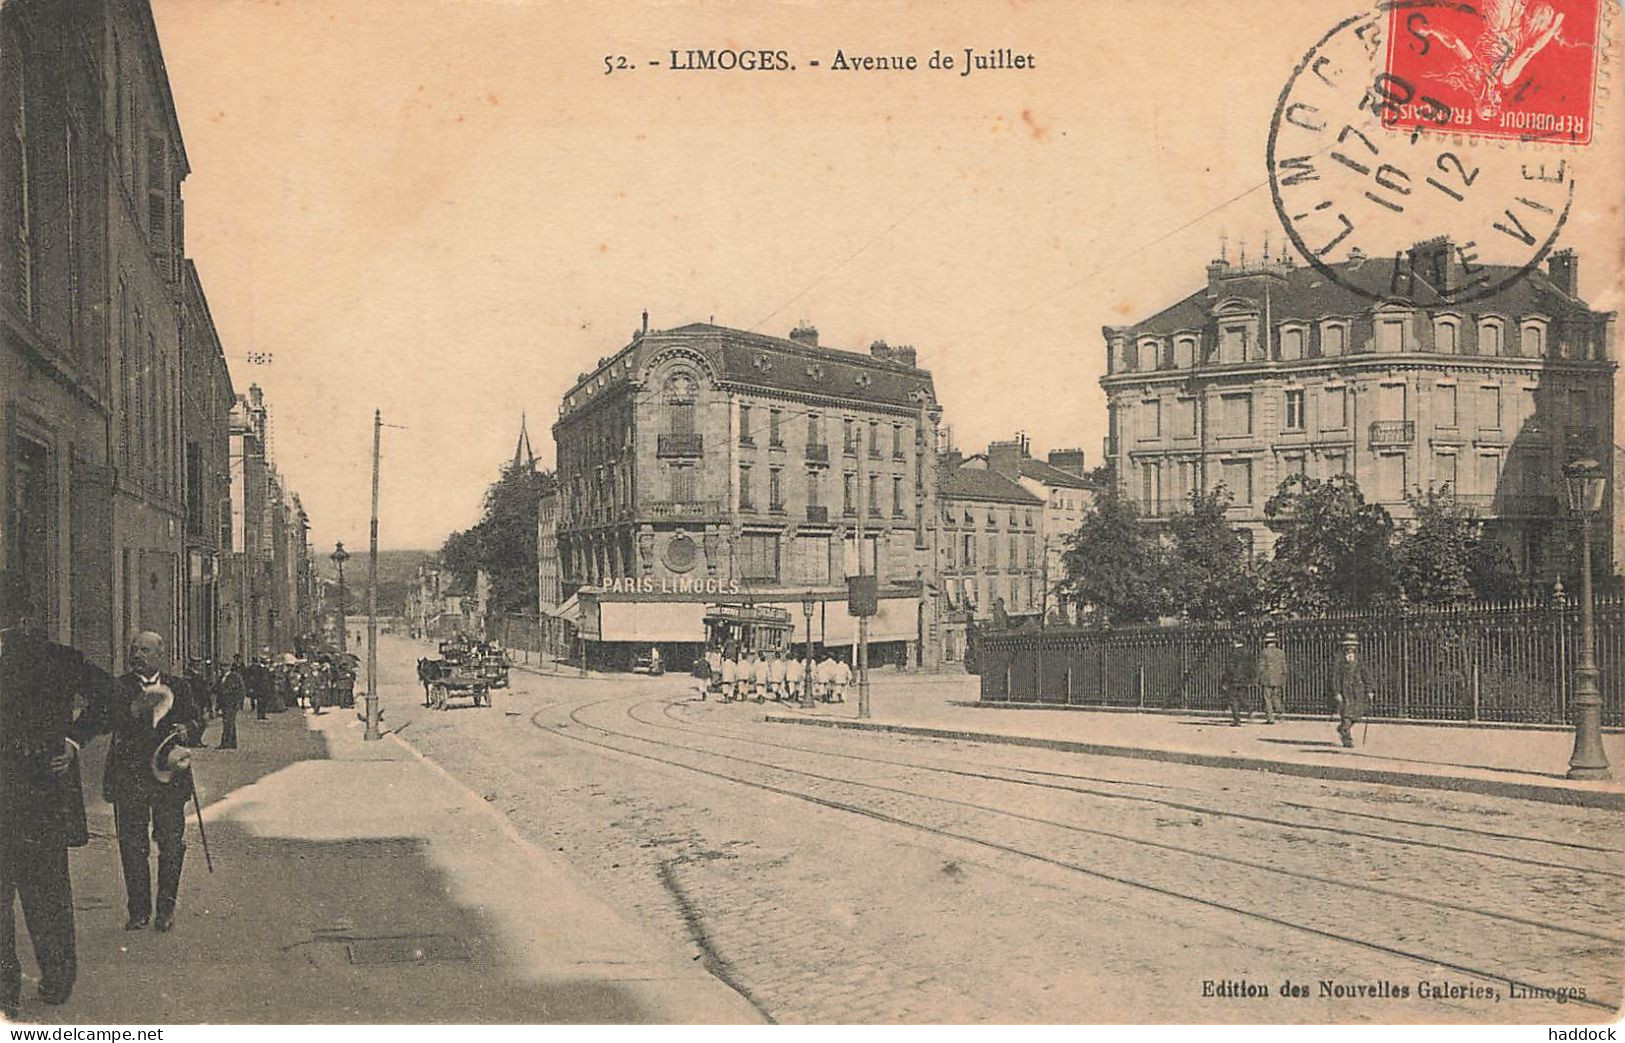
[1352, 690]
[258, 678]
[146, 707]
[1272, 677]
[229, 695]
[42, 810]
[1236, 679]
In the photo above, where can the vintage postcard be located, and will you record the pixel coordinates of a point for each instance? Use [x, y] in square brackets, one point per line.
[528, 512]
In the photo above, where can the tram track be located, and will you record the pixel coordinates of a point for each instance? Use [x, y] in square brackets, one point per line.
[666, 753]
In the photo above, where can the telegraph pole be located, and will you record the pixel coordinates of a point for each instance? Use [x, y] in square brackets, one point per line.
[863, 620]
[372, 590]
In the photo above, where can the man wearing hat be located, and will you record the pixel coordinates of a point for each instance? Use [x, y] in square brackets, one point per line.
[153, 717]
[1236, 678]
[1272, 677]
[42, 811]
[1352, 690]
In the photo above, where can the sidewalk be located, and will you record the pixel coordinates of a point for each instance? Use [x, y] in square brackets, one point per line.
[1519, 763]
[355, 882]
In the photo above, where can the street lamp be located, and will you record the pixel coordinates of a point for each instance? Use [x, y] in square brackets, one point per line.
[1585, 483]
[339, 557]
[806, 659]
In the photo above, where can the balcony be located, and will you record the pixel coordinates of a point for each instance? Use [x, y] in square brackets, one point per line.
[748, 441]
[849, 448]
[670, 445]
[682, 510]
[1393, 432]
[818, 454]
[817, 515]
[1510, 505]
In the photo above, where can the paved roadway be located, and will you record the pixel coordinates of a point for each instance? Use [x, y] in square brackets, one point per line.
[851, 877]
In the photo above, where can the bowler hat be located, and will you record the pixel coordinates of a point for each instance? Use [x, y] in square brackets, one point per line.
[1350, 640]
[170, 757]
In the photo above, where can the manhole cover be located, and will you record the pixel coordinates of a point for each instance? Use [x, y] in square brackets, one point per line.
[430, 948]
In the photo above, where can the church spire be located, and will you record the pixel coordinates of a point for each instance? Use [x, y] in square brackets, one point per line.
[523, 455]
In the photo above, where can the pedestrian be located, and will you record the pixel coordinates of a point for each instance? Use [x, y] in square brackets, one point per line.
[776, 675]
[730, 674]
[44, 809]
[824, 678]
[757, 673]
[229, 700]
[841, 675]
[713, 663]
[654, 661]
[259, 687]
[1352, 690]
[146, 779]
[1271, 673]
[1236, 679]
[344, 683]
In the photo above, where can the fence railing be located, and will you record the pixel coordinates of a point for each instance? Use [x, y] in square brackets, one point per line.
[1503, 662]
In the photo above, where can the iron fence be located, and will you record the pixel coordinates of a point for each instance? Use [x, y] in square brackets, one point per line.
[1511, 662]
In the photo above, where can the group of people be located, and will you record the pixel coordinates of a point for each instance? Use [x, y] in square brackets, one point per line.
[1248, 679]
[152, 718]
[314, 682]
[735, 676]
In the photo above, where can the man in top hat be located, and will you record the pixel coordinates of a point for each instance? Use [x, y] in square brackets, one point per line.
[152, 716]
[1352, 690]
[1272, 677]
[42, 810]
[1236, 678]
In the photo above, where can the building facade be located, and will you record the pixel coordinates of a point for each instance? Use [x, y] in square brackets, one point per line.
[706, 464]
[1273, 369]
[990, 553]
[207, 399]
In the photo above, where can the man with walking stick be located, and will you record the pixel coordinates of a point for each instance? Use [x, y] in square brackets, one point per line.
[1352, 689]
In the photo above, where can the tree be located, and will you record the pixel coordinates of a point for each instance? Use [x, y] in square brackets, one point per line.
[1113, 563]
[1444, 554]
[1206, 566]
[503, 543]
[1332, 549]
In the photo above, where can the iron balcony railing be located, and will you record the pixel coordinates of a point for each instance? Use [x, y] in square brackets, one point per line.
[683, 510]
[818, 454]
[817, 515]
[1510, 505]
[680, 445]
[1393, 432]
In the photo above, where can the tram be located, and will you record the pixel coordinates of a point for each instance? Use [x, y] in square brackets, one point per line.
[747, 628]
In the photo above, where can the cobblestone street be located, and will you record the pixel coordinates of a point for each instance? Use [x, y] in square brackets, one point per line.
[850, 877]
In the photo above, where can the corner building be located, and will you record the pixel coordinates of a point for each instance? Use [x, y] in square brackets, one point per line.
[1274, 369]
[704, 465]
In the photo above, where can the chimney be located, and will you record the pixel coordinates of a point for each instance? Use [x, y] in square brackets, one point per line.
[1564, 269]
[1216, 271]
[645, 331]
[952, 460]
[1005, 458]
[1068, 460]
[880, 349]
[904, 354]
[805, 334]
[1430, 261]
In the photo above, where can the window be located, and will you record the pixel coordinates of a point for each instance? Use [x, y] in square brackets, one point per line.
[1444, 470]
[774, 435]
[849, 436]
[814, 492]
[1333, 340]
[1391, 335]
[1579, 406]
[1445, 413]
[744, 425]
[758, 557]
[1150, 487]
[812, 559]
[1237, 476]
[682, 482]
[22, 179]
[969, 556]
[1391, 481]
[1534, 340]
[897, 441]
[1150, 355]
[813, 437]
[897, 496]
[849, 487]
[158, 192]
[1446, 337]
[1151, 424]
[1184, 352]
[1336, 414]
[874, 439]
[1233, 344]
[874, 495]
[1291, 464]
[1294, 409]
[1291, 344]
[1489, 408]
[747, 500]
[1489, 337]
[1185, 418]
[775, 489]
[1489, 473]
[1015, 551]
[1337, 462]
[1236, 414]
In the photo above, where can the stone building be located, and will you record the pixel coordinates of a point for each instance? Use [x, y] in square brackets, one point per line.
[704, 465]
[989, 552]
[207, 399]
[1272, 369]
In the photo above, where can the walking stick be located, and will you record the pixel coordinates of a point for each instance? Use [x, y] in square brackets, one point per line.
[202, 834]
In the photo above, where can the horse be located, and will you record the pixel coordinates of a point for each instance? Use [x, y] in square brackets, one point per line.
[428, 670]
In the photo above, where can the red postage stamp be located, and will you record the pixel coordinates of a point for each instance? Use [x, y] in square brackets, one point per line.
[1520, 69]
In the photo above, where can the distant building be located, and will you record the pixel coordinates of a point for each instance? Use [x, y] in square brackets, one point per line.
[989, 551]
[707, 464]
[1060, 483]
[1272, 369]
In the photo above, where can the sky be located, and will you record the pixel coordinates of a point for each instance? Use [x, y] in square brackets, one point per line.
[445, 210]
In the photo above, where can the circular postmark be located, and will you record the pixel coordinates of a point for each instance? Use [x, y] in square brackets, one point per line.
[1365, 164]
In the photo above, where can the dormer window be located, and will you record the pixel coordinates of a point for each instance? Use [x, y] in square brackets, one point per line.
[1149, 356]
[1532, 338]
[1291, 343]
[1446, 336]
[1390, 335]
[1490, 337]
[1184, 352]
[1334, 339]
[1232, 344]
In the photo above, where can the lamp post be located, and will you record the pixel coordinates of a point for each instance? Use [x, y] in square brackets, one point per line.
[1585, 483]
[338, 558]
[806, 657]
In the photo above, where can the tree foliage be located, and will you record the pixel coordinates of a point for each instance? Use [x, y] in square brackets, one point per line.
[1332, 548]
[1206, 563]
[503, 542]
[1112, 562]
[1444, 554]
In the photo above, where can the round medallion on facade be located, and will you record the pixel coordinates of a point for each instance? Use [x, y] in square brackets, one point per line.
[681, 552]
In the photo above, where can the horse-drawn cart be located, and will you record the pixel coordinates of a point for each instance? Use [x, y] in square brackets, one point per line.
[443, 681]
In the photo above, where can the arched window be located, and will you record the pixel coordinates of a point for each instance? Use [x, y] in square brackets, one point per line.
[1184, 352]
[1333, 339]
[1532, 339]
[1489, 337]
[1446, 337]
[679, 398]
[1150, 355]
[1291, 343]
